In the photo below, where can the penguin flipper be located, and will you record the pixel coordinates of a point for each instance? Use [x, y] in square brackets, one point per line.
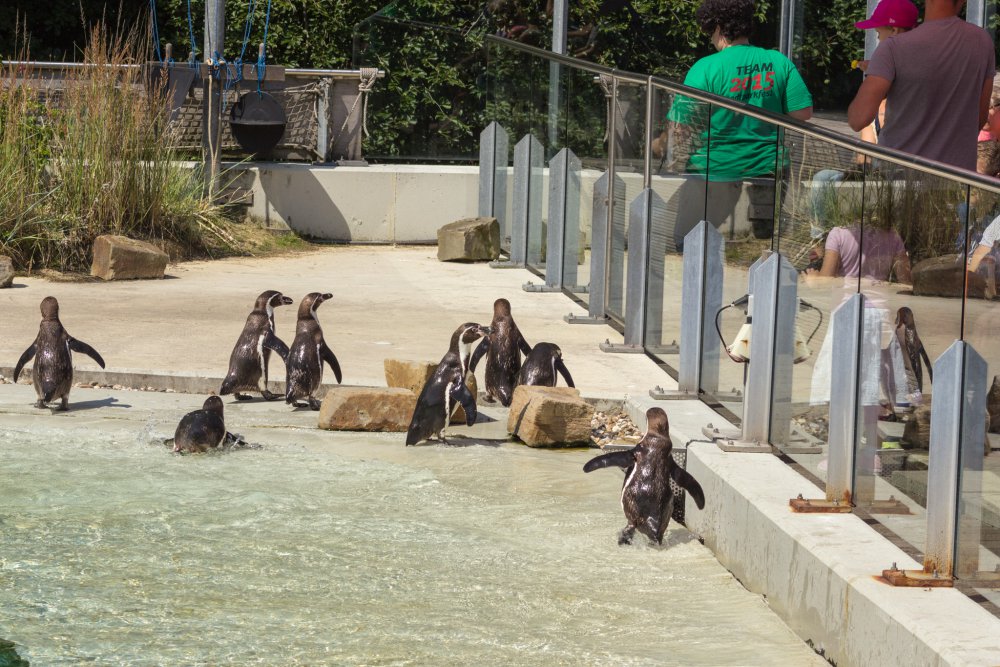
[927, 362]
[25, 358]
[275, 344]
[689, 484]
[523, 346]
[614, 459]
[561, 367]
[461, 394]
[331, 359]
[83, 348]
[484, 345]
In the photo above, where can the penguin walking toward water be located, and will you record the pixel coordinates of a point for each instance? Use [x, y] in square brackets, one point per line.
[647, 499]
[542, 364]
[52, 372]
[502, 347]
[203, 429]
[304, 365]
[249, 359]
[445, 388]
[913, 348]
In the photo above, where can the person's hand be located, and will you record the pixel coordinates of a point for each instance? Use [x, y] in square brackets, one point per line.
[860, 64]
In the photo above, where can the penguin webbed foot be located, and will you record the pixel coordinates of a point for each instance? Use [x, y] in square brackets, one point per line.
[314, 404]
[242, 397]
[40, 404]
[270, 395]
[626, 535]
[64, 405]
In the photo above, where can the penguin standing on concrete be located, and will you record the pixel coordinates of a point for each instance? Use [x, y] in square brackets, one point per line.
[249, 360]
[647, 499]
[913, 348]
[304, 366]
[52, 372]
[203, 429]
[502, 347]
[541, 365]
[445, 388]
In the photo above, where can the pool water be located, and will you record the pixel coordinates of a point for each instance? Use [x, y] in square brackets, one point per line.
[339, 549]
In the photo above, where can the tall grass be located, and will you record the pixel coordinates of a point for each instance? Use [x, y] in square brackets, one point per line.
[93, 158]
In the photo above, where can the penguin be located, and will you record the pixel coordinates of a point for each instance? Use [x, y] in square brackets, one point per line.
[647, 498]
[203, 429]
[502, 347]
[304, 365]
[248, 362]
[541, 364]
[913, 348]
[445, 387]
[52, 372]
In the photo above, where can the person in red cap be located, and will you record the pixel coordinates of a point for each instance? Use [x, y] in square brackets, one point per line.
[890, 18]
[936, 79]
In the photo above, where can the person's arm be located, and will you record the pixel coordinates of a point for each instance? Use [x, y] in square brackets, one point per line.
[802, 114]
[867, 101]
[977, 257]
[831, 264]
[984, 101]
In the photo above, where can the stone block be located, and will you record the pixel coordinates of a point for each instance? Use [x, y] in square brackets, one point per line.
[122, 258]
[412, 375]
[549, 416]
[945, 276]
[367, 409]
[6, 272]
[469, 240]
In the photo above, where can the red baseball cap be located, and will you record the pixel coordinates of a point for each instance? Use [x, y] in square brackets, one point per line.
[891, 14]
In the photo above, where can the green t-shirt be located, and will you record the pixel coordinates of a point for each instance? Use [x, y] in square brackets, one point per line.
[738, 146]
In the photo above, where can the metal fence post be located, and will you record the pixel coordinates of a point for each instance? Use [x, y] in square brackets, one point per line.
[958, 432]
[562, 243]
[701, 299]
[527, 214]
[493, 156]
[602, 213]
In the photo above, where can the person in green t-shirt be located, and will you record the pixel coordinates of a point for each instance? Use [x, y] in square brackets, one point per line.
[728, 146]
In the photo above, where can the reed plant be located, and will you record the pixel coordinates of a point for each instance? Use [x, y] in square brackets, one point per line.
[94, 156]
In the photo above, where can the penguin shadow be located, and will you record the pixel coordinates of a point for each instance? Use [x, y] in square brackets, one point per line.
[16, 286]
[109, 402]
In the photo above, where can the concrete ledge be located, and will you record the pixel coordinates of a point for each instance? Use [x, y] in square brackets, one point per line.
[819, 572]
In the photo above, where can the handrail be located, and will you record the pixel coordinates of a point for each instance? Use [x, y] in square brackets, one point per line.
[294, 71]
[932, 167]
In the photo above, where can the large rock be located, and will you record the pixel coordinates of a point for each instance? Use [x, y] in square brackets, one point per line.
[469, 240]
[6, 272]
[367, 409]
[549, 416]
[945, 276]
[122, 258]
[413, 375]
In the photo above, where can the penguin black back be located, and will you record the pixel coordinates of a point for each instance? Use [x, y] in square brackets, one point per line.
[203, 429]
[304, 366]
[503, 348]
[542, 364]
[248, 363]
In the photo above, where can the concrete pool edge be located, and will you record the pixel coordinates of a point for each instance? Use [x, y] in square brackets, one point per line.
[819, 572]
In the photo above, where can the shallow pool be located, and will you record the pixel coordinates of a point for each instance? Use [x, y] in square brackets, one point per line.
[331, 549]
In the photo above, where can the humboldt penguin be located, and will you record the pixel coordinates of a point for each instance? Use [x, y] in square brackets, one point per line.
[52, 372]
[913, 348]
[249, 360]
[446, 387]
[647, 499]
[502, 347]
[203, 429]
[304, 366]
[541, 365]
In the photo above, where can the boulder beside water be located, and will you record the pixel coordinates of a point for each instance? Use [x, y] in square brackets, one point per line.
[6, 273]
[550, 416]
[367, 409]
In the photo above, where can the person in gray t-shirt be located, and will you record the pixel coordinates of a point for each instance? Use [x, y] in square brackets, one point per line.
[937, 80]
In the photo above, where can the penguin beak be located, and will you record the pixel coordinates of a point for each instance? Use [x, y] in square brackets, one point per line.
[286, 300]
[485, 331]
[327, 296]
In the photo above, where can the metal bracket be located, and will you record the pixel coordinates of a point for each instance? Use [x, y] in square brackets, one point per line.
[809, 506]
[745, 446]
[622, 348]
[584, 319]
[658, 393]
[532, 287]
[890, 506]
[916, 578]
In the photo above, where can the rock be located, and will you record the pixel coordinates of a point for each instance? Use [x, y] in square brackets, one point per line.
[549, 416]
[917, 431]
[945, 276]
[469, 240]
[367, 409]
[122, 258]
[413, 375]
[6, 272]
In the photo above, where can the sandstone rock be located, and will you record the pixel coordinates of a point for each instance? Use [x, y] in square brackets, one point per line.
[917, 431]
[122, 258]
[6, 272]
[410, 375]
[945, 276]
[367, 409]
[469, 240]
[549, 416]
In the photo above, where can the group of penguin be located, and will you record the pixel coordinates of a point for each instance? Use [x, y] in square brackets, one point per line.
[647, 498]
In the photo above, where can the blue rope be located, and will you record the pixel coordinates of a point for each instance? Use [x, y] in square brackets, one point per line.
[194, 45]
[156, 30]
[262, 60]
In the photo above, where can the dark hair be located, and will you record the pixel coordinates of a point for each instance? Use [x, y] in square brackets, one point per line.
[733, 17]
[988, 155]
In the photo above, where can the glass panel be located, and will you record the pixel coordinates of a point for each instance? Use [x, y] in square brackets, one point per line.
[546, 122]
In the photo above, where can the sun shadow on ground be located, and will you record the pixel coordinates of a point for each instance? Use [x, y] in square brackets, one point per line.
[109, 402]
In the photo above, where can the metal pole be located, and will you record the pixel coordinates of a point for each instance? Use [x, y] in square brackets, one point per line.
[215, 30]
[647, 160]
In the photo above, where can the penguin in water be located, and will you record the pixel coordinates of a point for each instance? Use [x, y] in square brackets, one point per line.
[446, 387]
[913, 348]
[248, 362]
[541, 365]
[304, 366]
[203, 429]
[502, 347]
[647, 498]
[52, 372]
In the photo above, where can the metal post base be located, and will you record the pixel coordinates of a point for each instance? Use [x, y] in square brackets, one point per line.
[808, 506]
[890, 506]
[673, 348]
[532, 287]
[584, 319]
[658, 393]
[801, 449]
[916, 578]
[745, 446]
[621, 348]
[351, 163]
[498, 264]
[713, 433]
